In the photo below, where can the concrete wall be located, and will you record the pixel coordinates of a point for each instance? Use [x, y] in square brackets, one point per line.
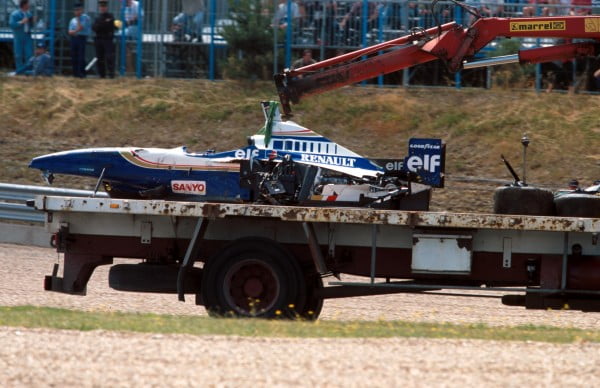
[24, 235]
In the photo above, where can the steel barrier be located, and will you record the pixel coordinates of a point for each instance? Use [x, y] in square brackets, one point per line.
[13, 200]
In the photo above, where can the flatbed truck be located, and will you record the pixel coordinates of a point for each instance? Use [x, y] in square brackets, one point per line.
[268, 261]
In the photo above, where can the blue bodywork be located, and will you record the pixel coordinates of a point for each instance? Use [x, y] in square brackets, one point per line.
[126, 179]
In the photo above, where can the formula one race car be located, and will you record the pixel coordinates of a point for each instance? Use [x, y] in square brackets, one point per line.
[284, 163]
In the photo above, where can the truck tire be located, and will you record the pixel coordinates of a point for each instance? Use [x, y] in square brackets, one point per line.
[253, 277]
[314, 301]
[578, 205]
[526, 200]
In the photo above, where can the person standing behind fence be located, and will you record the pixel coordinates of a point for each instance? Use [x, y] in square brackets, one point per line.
[21, 23]
[280, 18]
[132, 14]
[104, 27]
[79, 29]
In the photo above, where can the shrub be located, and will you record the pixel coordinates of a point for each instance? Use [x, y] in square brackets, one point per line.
[250, 40]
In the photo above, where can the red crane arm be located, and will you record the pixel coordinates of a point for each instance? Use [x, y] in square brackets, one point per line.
[449, 42]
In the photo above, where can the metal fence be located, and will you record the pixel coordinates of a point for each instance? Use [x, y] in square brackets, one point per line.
[182, 38]
[14, 199]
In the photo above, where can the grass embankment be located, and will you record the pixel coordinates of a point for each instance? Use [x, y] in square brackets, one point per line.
[41, 116]
[53, 318]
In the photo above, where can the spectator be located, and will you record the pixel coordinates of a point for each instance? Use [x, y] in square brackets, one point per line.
[104, 27]
[281, 14]
[199, 24]
[319, 12]
[40, 64]
[487, 8]
[442, 13]
[581, 7]
[533, 6]
[187, 25]
[492, 8]
[563, 7]
[356, 13]
[353, 21]
[597, 79]
[80, 28]
[413, 15]
[306, 60]
[180, 28]
[132, 14]
[21, 23]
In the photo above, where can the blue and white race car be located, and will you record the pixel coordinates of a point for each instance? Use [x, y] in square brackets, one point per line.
[284, 163]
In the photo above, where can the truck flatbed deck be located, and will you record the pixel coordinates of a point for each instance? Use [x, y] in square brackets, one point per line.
[277, 256]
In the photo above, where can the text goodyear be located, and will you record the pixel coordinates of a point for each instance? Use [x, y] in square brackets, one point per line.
[549, 25]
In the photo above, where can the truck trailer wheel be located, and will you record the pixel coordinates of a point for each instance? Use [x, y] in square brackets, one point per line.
[526, 200]
[578, 205]
[314, 301]
[253, 278]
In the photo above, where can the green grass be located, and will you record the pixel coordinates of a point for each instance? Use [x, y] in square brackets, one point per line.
[54, 318]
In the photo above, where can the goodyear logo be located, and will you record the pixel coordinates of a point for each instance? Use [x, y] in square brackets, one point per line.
[554, 25]
[592, 24]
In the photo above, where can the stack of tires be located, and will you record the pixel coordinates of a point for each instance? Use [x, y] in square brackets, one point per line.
[524, 200]
[535, 201]
[578, 204]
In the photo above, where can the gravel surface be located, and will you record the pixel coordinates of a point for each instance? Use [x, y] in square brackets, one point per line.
[65, 358]
[52, 357]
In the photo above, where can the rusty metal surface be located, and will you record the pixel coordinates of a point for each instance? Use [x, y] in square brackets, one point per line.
[316, 214]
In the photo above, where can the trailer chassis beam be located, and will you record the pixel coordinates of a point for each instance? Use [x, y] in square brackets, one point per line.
[191, 254]
[315, 249]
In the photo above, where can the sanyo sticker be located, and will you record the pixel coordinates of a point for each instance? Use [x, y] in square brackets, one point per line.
[189, 187]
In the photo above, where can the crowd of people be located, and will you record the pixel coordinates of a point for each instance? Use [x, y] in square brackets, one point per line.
[334, 23]
[79, 30]
[340, 22]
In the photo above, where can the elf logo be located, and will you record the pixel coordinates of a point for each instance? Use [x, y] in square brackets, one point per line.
[246, 153]
[426, 158]
[425, 162]
[189, 187]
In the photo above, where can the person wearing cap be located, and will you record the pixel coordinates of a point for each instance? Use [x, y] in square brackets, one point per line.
[80, 28]
[104, 27]
[40, 64]
[21, 23]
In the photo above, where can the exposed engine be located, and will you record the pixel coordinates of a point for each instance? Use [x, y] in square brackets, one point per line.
[288, 183]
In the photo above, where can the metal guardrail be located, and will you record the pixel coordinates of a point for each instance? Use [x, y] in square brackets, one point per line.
[13, 200]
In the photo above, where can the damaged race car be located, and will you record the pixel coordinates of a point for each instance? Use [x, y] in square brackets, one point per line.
[283, 164]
